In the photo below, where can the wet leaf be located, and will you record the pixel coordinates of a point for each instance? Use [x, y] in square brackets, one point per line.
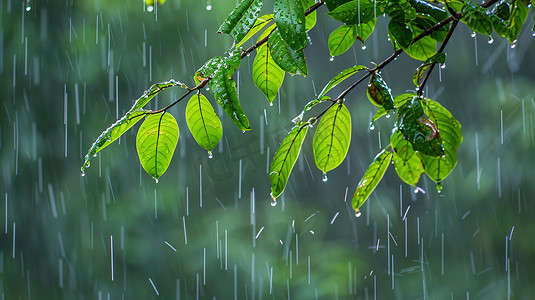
[379, 93]
[419, 75]
[203, 123]
[438, 168]
[354, 12]
[310, 20]
[519, 13]
[260, 23]
[421, 132]
[208, 69]
[401, 33]
[267, 75]
[424, 7]
[399, 101]
[332, 4]
[371, 178]
[423, 48]
[224, 90]
[400, 11]
[341, 39]
[408, 165]
[241, 19]
[340, 77]
[289, 60]
[308, 106]
[476, 18]
[332, 138]
[364, 30]
[156, 142]
[285, 158]
[290, 20]
[153, 91]
[111, 134]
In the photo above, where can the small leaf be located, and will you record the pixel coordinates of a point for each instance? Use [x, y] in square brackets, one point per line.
[267, 75]
[424, 7]
[308, 106]
[289, 60]
[401, 33]
[341, 77]
[371, 178]
[224, 90]
[519, 13]
[156, 142]
[341, 39]
[290, 20]
[153, 91]
[364, 30]
[438, 168]
[421, 132]
[285, 159]
[400, 11]
[399, 101]
[354, 12]
[332, 138]
[419, 75]
[476, 18]
[241, 19]
[258, 25]
[423, 48]
[111, 134]
[408, 165]
[379, 93]
[203, 123]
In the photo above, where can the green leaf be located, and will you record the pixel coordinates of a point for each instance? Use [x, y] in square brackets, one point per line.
[379, 93]
[308, 106]
[111, 134]
[425, 22]
[332, 138]
[364, 30]
[332, 4]
[285, 159]
[153, 91]
[310, 20]
[399, 101]
[371, 179]
[476, 18]
[421, 49]
[519, 13]
[341, 77]
[354, 12]
[289, 60]
[224, 90]
[208, 69]
[203, 123]
[290, 20]
[421, 132]
[419, 75]
[267, 75]
[258, 25]
[408, 166]
[241, 19]
[401, 33]
[400, 11]
[341, 39]
[449, 129]
[426, 8]
[156, 142]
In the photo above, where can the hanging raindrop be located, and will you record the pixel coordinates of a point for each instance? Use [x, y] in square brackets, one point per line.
[28, 5]
[210, 155]
[372, 127]
[83, 174]
[387, 116]
[325, 177]
[273, 201]
[491, 40]
[473, 34]
[270, 103]
[363, 47]
[208, 6]
[439, 187]
[443, 66]
[357, 213]
[332, 58]
[156, 179]
[150, 8]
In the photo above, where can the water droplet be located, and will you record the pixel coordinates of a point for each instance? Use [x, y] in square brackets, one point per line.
[372, 127]
[363, 47]
[150, 8]
[357, 213]
[513, 46]
[387, 116]
[156, 179]
[243, 131]
[28, 6]
[208, 6]
[210, 155]
[533, 34]
[273, 200]
[83, 174]
[332, 58]
[439, 187]
[325, 177]
[473, 34]
[491, 40]
[270, 103]
[443, 66]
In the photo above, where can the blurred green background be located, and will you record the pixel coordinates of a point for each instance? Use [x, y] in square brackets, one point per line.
[207, 230]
